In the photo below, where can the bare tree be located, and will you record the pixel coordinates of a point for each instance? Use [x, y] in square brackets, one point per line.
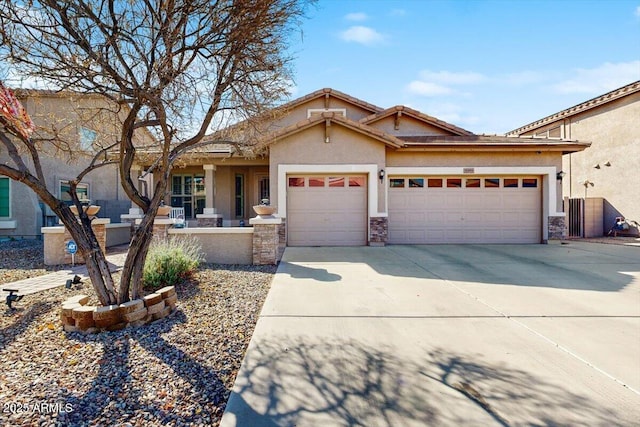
[176, 67]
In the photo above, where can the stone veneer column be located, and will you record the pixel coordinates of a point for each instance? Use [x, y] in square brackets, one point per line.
[266, 239]
[379, 231]
[282, 238]
[161, 227]
[209, 217]
[557, 228]
[99, 229]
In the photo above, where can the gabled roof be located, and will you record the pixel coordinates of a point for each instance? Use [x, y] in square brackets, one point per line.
[325, 92]
[584, 106]
[488, 142]
[403, 110]
[336, 118]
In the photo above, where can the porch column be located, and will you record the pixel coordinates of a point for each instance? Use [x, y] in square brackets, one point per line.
[209, 217]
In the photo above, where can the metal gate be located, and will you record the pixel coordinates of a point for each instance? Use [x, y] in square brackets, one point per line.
[576, 217]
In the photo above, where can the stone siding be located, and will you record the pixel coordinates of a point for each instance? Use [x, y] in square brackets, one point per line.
[557, 228]
[210, 222]
[379, 233]
[265, 244]
[282, 238]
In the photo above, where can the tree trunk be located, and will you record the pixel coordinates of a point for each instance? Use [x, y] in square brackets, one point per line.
[94, 258]
[131, 278]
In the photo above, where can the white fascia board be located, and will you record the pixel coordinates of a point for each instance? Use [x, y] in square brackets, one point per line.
[371, 170]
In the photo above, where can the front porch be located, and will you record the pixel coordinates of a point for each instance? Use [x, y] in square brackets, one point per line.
[219, 193]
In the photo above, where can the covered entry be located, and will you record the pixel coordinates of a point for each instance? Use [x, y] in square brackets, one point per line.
[327, 210]
[465, 209]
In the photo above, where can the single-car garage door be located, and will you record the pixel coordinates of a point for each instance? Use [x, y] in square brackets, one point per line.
[326, 210]
[453, 209]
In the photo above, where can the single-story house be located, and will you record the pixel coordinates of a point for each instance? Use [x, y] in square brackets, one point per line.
[342, 171]
[606, 173]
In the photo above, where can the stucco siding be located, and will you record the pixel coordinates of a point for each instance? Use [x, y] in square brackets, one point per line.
[407, 126]
[299, 113]
[308, 148]
[614, 134]
[470, 159]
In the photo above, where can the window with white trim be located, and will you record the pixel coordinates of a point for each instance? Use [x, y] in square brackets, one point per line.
[82, 190]
[5, 197]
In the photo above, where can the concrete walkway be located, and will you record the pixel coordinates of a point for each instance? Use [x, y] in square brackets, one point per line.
[59, 278]
[446, 336]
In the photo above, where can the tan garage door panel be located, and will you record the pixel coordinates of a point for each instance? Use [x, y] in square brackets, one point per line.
[334, 214]
[495, 210]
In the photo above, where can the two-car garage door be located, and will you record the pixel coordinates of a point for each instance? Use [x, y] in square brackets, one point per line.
[331, 210]
[464, 210]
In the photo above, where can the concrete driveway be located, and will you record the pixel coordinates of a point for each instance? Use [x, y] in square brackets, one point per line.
[452, 335]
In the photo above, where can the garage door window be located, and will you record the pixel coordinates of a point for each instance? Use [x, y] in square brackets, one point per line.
[396, 182]
[511, 182]
[336, 181]
[454, 182]
[416, 183]
[529, 182]
[473, 183]
[296, 182]
[492, 183]
[316, 182]
[356, 181]
[434, 182]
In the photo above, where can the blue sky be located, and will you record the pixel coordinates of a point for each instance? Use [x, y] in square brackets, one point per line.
[487, 66]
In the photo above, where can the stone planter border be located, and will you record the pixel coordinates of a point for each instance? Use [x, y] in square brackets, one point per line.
[77, 316]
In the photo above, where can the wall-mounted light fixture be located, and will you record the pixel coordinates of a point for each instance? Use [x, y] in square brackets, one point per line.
[560, 175]
[381, 175]
[597, 166]
[608, 163]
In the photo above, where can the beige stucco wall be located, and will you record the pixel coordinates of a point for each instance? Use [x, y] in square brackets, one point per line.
[471, 159]
[308, 148]
[299, 113]
[407, 126]
[222, 245]
[614, 133]
[67, 115]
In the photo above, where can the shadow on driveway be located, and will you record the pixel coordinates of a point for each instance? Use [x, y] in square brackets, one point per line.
[350, 383]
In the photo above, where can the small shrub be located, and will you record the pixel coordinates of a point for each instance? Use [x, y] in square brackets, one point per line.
[170, 261]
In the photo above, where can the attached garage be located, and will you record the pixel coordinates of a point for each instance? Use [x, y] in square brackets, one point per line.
[327, 210]
[465, 209]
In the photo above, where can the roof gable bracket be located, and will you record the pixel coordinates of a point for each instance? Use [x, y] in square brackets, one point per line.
[326, 100]
[396, 121]
[327, 131]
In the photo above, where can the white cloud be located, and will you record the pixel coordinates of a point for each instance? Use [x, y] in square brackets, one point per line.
[437, 83]
[452, 78]
[604, 78]
[422, 88]
[363, 35]
[356, 16]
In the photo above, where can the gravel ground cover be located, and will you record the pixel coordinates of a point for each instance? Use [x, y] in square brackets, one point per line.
[176, 371]
[22, 259]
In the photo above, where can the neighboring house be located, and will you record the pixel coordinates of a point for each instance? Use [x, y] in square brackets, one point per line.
[81, 124]
[342, 171]
[609, 170]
